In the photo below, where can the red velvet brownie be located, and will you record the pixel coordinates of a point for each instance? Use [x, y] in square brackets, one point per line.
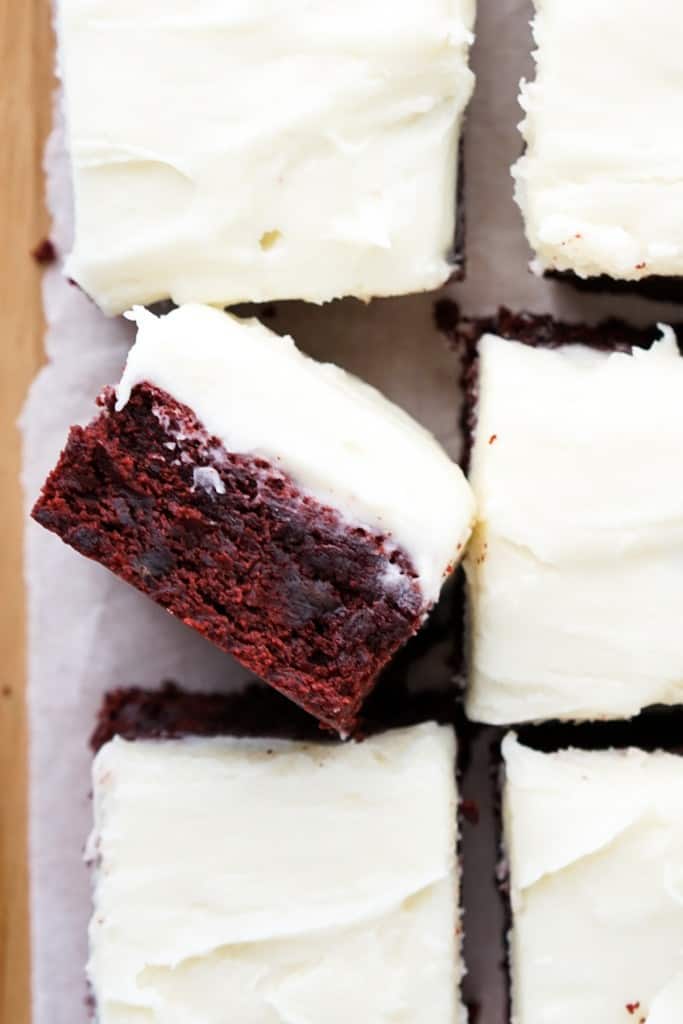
[593, 842]
[600, 184]
[575, 570]
[283, 509]
[254, 876]
[311, 153]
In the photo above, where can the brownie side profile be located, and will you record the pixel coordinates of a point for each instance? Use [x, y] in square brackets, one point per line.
[169, 712]
[134, 713]
[230, 545]
[657, 288]
[458, 254]
[656, 728]
[416, 686]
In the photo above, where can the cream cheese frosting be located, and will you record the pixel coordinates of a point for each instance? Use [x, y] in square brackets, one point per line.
[595, 848]
[248, 150]
[337, 437]
[601, 182]
[270, 881]
[575, 570]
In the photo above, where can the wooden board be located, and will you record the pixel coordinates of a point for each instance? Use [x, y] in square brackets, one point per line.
[26, 60]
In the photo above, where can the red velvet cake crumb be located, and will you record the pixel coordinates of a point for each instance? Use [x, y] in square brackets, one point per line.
[229, 544]
[44, 253]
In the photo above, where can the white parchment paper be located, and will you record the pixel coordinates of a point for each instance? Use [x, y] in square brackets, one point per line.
[88, 632]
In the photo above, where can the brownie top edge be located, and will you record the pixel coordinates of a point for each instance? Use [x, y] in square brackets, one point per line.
[134, 713]
[543, 330]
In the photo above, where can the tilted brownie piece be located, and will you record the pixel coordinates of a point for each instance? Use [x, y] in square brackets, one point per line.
[259, 879]
[600, 184]
[282, 508]
[575, 570]
[594, 844]
[257, 149]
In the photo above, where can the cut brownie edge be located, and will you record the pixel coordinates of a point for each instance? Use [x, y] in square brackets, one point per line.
[134, 713]
[659, 289]
[457, 257]
[229, 544]
[655, 728]
[170, 712]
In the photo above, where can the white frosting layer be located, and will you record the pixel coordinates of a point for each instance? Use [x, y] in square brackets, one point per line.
[601, 183]
[265, 882]
[576, 567]
[231, 150]
[595, 849]
[338, 438]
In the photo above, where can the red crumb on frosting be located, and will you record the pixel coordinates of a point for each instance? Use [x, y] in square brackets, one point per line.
[493, 438]
[632, 1007]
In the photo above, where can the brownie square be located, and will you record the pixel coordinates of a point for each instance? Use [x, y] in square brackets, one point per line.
[593, 840]
[575, 571]
[600, 183]
[241, 876]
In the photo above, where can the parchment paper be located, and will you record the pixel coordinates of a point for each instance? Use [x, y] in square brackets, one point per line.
[88, 632]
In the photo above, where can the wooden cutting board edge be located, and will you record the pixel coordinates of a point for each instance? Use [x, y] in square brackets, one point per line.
[26, 48]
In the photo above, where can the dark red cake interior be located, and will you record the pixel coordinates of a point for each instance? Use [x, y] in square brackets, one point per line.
[170, 712]
[236, 551]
